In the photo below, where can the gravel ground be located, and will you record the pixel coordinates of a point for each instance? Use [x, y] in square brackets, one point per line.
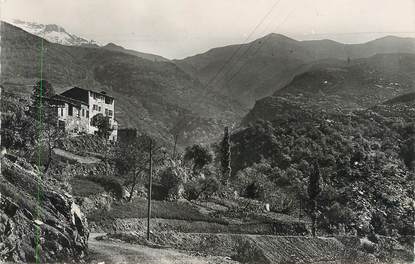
[117, 252]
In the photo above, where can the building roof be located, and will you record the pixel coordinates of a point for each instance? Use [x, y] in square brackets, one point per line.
[102, 93]
[68, 100]
[81, 94]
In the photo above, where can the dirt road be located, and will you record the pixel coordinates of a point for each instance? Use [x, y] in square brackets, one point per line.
[115, 252]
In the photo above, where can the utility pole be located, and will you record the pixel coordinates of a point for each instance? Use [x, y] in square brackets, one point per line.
[150, 176]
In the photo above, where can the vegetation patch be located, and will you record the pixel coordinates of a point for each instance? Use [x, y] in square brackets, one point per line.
[180, 210]
[85, 187]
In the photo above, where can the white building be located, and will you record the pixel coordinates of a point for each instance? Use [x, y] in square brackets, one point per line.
[80, 105]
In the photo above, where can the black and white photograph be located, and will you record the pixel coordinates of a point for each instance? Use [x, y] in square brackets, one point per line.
[207, 132]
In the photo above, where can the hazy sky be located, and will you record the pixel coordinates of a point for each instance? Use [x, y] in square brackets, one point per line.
[180, 28]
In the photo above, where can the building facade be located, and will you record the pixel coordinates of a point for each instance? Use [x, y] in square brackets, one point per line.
[79, 105]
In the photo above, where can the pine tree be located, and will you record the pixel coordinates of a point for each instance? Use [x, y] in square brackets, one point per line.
[314, 189]
[225, 152]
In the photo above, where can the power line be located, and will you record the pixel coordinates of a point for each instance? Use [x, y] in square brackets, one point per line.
[228, 61]
[257, 50]
[240, 46]
[244, 54]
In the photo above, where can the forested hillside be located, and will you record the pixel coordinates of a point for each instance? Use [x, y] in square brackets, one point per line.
[366, 160]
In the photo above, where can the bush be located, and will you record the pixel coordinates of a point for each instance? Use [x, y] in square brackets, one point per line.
[171, 183]
[281, 203]
[202, 187]
[335, 215]
[192, 190]
[200, 156]
[253, 182]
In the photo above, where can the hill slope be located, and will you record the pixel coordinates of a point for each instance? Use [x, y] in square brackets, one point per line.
[152, 96]
[267, 64]
[341, 86]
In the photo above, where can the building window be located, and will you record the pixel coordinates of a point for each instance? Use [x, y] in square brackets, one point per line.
[108, 100]
[87, 114]
[61, 111]
[78, 112]
[70, 110]
[106, 111]
[99, 108]
[83, 112]
[94, 107]
[110, 112]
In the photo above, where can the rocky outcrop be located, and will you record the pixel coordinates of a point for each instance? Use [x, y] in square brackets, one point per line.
[38, 221]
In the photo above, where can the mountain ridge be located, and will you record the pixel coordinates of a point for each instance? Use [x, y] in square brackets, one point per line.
[267, 64]
[152, 57]
[53, 33]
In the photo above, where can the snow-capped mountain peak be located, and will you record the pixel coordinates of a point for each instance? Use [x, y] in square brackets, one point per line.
[53, 33]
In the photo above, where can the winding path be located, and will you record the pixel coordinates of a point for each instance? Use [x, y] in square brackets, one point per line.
[123, 253]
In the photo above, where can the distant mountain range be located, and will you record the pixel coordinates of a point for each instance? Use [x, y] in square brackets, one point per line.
[53, 33]
[259, 68]
[57, 34]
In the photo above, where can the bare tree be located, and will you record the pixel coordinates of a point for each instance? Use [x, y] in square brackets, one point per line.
[132, 157]
[131, 161]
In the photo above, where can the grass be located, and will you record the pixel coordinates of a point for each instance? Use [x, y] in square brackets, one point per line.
[109, 183]
[160, 209]
[84, 187]
[93, 185]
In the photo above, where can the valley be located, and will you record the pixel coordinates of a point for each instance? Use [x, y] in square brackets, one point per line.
[275, 151]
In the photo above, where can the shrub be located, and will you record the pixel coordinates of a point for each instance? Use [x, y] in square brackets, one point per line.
[281, 203]
[202, 187]
[200, 156]
[378, 222]
[191, 190]
[170, 182]
[253, 182]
